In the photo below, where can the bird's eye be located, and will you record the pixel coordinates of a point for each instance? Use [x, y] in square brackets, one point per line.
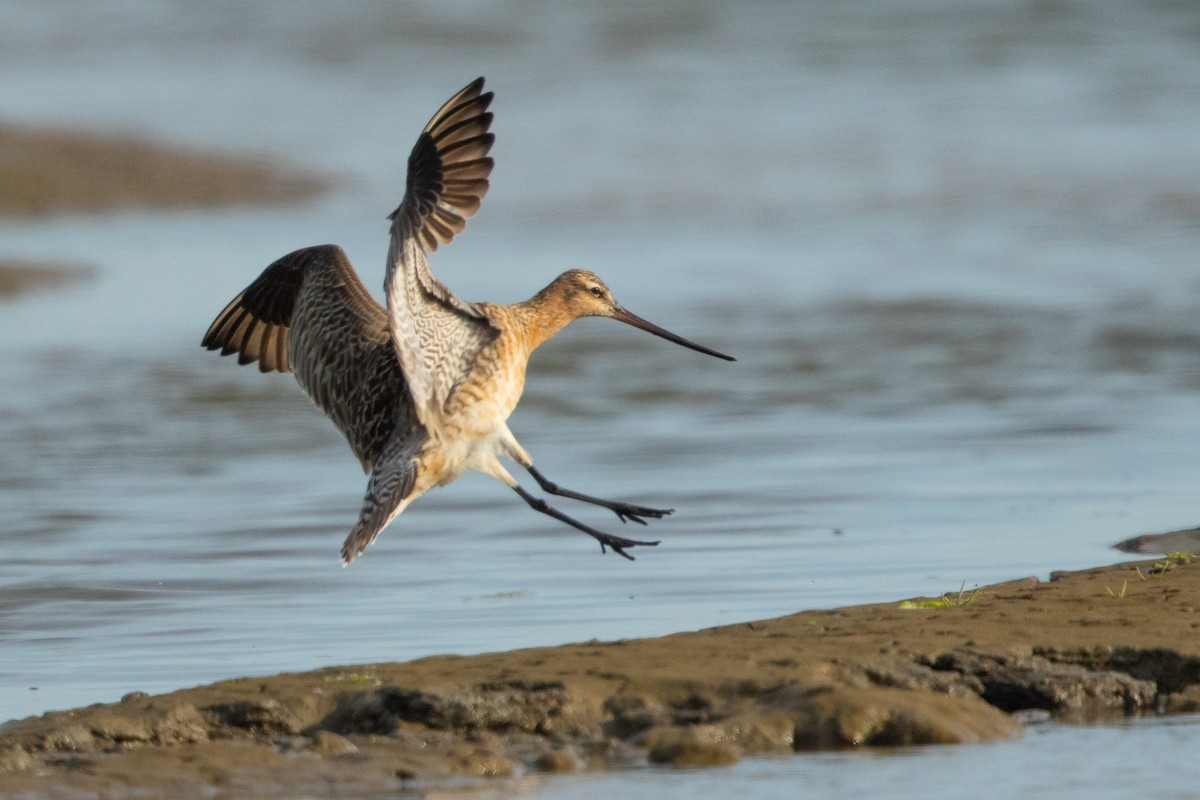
[596, 291]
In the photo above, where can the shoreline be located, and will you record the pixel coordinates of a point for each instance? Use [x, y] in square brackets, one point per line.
[967, 667]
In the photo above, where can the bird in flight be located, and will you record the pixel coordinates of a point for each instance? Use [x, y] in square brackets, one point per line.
[423, 388]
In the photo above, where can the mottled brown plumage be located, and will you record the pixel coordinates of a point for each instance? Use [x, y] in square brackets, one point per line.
[422, 389]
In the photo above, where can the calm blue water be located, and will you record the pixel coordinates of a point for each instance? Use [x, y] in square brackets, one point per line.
[951, 243]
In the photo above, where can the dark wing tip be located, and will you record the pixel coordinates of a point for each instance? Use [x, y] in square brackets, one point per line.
[255, 324]
[448, 168]
[237, 329]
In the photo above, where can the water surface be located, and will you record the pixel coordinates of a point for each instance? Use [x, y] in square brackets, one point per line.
[952, 245]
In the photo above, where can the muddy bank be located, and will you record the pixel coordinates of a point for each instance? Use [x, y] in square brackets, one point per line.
[46, 171]
[19, 277]
[1114, 640]
[1187, 541]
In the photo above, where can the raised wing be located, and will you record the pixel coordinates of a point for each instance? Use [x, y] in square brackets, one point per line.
[310, 314]
[437, 336]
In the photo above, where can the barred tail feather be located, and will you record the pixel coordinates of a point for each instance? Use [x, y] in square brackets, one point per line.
[389, 491]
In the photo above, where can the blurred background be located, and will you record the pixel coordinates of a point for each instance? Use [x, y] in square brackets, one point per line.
[952, 244]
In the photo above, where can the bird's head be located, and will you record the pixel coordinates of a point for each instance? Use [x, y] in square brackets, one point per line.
[583, 294]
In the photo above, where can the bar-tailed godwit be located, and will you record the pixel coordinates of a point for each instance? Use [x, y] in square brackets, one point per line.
[423, 388]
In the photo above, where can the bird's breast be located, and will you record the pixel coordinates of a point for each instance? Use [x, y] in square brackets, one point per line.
[483, 401]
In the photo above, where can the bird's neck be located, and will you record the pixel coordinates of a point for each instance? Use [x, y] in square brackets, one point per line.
[541, 317]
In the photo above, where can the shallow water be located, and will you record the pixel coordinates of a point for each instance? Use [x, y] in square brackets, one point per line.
[951, 244]
[988, 772]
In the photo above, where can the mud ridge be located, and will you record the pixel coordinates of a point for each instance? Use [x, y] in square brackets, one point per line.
[46, 171]
[960, 669]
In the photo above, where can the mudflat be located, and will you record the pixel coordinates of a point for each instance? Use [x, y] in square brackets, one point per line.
[45, 172]
[19, 277]
[966, 667]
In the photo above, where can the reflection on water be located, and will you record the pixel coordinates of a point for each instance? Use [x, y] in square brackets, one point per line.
[952, 246]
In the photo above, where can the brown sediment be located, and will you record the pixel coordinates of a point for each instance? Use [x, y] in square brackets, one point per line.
[18, 277]
[1114, 640]
[45, 171]
[1187, 541]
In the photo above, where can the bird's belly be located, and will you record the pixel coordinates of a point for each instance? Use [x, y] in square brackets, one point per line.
[449, 458]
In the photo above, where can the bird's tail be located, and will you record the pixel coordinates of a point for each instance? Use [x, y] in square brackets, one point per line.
[389, 491]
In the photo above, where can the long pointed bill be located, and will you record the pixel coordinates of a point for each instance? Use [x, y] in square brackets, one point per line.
[633, 319]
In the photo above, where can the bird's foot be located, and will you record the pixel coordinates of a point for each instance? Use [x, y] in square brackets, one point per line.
[619, 543]
[627, 511]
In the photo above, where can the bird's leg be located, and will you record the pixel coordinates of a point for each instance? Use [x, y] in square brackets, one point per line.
[625, 511]
[617, 543]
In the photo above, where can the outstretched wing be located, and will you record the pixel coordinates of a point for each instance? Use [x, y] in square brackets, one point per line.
[436, 335]
[310, 314]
